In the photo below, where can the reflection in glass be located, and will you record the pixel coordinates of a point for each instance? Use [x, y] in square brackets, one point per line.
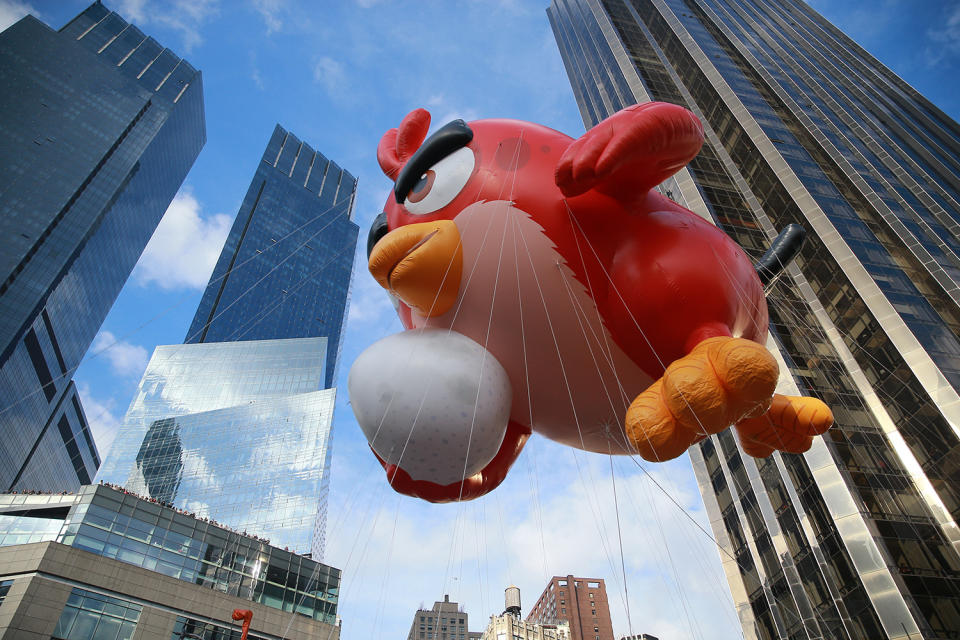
[236, 432]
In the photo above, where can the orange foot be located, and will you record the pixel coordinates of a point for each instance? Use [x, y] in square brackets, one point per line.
[789, 426]
[721, 382]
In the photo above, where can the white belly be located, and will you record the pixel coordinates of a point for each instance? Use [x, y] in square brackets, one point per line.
[520, 300]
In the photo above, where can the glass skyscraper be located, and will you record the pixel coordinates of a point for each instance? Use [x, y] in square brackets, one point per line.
[234, 431]
[99, 125]
[858, 537]
[235, 423]
[286, 267]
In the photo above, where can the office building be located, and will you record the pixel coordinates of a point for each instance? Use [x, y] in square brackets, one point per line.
[234, 431]
[444, 621]
[99, 125]
[858, 537]
[115, 566]
[581, 603]
[286, 267]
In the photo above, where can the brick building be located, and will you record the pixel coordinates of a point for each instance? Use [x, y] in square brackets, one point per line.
[581, 602]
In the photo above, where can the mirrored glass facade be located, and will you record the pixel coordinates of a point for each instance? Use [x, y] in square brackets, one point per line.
[858, 537]
[234, 431]
[116, 524]
[99, 125]
[286, 267]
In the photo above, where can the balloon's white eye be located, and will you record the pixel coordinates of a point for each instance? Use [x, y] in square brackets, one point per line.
[441, 183]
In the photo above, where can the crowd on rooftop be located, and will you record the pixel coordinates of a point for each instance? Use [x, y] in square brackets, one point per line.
[32, 492]
[163, 503]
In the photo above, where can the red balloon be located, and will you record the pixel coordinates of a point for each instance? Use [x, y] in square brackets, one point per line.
[582, 281]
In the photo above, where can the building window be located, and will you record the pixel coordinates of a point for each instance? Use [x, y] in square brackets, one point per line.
[189, 628]
[92, 615]
[593, 612]
[563, 610]
[4, 588]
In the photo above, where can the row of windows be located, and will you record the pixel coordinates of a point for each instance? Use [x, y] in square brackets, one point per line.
[93, 616]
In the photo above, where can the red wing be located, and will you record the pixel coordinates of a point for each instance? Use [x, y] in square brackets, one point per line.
[631, 151]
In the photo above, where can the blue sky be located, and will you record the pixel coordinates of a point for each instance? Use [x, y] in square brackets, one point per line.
[338, 74]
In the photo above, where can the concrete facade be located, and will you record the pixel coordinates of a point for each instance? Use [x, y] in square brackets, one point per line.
[445, 621]
[44, 575]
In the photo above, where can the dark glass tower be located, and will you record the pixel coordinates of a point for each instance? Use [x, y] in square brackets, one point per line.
[99, 125]
[858, 537]
[286, 267]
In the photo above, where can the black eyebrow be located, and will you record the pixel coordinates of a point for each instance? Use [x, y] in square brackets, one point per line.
[445, 140]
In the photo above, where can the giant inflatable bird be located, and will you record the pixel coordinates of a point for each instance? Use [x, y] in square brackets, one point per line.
[546, 286]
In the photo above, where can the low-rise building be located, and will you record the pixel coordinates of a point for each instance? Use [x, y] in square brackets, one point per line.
[123, 568]
[444, 621]
[510, 627]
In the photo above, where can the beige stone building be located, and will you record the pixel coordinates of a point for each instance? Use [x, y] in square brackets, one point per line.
[509, 627]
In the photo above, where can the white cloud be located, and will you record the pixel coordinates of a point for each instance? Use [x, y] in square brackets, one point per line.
[270, 11]
[12, 10]
[945, 39]
[133, 10]
[100, 416]
[184, 16]
[184, 248]
[125, 358]
[442, 111]
[255, 72]
[329, 73]
[369, 303]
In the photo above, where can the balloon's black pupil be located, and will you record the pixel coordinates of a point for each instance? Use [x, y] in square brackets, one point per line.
[417, 188]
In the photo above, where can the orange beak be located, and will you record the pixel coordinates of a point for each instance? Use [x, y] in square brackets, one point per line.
[421, 264]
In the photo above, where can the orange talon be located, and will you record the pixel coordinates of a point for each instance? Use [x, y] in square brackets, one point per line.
[720, 382]
[788, 426]
[652, 429]
[801, 414]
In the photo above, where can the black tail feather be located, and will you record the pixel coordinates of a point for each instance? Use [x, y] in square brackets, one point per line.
[782, 251]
